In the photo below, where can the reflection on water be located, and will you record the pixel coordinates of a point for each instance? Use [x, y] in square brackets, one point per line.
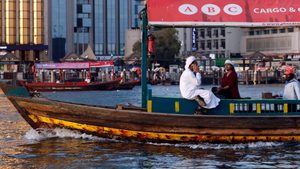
[22, 147]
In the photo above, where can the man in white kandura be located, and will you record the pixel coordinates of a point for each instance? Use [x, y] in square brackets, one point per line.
[190, 82]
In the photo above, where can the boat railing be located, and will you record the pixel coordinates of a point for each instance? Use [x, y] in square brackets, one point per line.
[179, 105]
[262, 107]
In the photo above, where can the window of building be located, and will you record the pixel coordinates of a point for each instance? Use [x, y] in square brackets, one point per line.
[251, 33]
[258, 32]
[223, 43]
[274, 31]
[282, 30]
[223, 32]
[216, 33]
[99, 28]
[99, 49]
[209, 32]
[202, 33]
[216, 44]
[209, 44]
[111, 27]
[24, 22]
[38, 22]
[290, 29]
[267, 31]
[202, 45]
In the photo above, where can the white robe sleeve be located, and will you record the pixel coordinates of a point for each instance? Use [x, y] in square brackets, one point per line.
[195, 80]
[198, 77]
[297, 91]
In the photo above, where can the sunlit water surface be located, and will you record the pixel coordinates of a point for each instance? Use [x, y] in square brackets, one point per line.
[23, 147]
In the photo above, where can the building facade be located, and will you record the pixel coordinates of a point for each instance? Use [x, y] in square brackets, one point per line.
[186, 37]
[222, 42]
[23, 30]
[284, 41]
[101, 24]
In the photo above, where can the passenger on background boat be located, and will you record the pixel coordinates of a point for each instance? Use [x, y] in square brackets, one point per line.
[190, 82]
[229, 85]
[292, 87]
[123, 76]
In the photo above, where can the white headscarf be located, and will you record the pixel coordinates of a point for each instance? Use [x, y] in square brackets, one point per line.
[229, 62]
[189, 61]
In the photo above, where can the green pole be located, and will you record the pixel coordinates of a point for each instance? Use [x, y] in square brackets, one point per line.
[144, 58]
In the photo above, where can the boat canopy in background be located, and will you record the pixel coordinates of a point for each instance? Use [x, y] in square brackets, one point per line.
[244, 13]
[74, 65]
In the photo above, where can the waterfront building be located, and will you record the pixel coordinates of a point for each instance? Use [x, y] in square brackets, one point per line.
[23, 34]
[282, 42]
[101, 24]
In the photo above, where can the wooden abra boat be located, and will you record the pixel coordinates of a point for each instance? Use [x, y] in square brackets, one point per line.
[170, 119]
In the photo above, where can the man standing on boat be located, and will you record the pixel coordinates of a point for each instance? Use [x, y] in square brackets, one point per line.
[190, 82]
[292, 87]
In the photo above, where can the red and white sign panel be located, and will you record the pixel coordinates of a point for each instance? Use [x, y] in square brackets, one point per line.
[224, 12]
[102, 64]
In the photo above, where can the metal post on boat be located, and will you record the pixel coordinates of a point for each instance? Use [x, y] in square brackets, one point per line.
[144, 56]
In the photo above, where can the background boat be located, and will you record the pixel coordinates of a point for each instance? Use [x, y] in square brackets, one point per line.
[70, 86]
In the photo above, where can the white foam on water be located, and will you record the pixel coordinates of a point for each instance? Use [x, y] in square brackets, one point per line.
[205, 146]
[42, 134]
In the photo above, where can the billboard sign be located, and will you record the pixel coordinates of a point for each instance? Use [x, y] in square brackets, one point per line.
[224, 13]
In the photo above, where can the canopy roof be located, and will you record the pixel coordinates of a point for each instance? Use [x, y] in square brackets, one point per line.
[244, 13]
[9, 57]
[74, 65]
[258, 56]
[86, 56]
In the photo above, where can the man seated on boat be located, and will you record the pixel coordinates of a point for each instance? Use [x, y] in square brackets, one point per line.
[190, 82]
[292, 87]
[229, 85]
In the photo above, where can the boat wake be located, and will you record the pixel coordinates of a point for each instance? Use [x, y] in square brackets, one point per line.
[237, 146]
[42, 134]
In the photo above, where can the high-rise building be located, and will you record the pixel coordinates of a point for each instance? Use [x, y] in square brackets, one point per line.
[23, 32]
[100, 24]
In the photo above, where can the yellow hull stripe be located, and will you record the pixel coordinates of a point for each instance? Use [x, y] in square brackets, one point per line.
[157, 136]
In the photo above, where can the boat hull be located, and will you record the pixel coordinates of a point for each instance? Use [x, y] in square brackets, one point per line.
[71, 86]
[157, 127]
[127, 85]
